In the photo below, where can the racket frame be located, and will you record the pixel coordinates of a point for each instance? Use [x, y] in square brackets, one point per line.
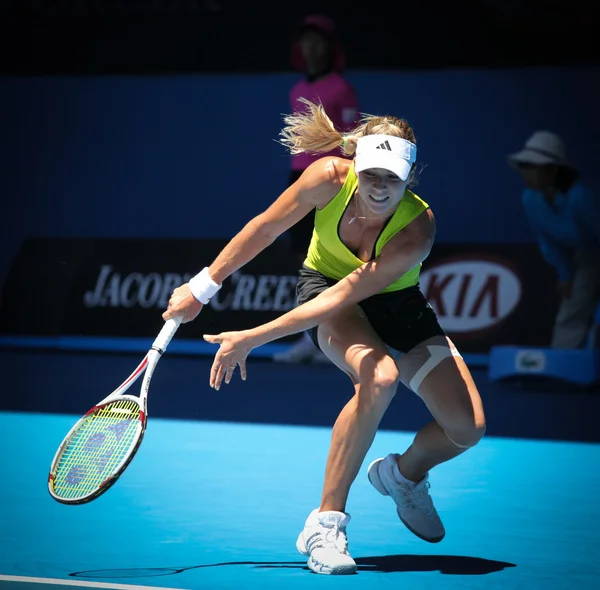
[146, 367]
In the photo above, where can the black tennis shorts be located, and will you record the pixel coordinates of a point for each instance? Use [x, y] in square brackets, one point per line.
[402, 319]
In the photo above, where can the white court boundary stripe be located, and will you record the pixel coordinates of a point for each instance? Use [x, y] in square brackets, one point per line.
[60, 582]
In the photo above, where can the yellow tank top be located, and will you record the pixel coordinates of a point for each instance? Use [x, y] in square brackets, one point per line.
[327, 253]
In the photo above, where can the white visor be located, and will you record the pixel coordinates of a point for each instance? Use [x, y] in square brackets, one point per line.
[385, 151]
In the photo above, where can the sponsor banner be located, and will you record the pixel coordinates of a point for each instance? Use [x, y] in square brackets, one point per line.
[491, 294]
[484, 295]
[530, 361]
[112, 287]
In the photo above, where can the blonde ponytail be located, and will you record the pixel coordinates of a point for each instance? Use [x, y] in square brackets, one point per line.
[313, 132]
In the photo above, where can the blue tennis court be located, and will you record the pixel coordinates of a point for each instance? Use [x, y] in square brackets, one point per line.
[224, 480]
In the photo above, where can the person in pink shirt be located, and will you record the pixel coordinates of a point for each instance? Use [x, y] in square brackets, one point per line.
[317, 52]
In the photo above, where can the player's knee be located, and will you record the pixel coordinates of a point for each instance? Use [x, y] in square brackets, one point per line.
[379, 379]
[466, 433]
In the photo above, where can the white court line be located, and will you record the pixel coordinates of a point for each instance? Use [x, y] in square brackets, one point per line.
[59, 582]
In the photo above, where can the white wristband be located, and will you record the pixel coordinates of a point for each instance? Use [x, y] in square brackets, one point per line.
[203, 287]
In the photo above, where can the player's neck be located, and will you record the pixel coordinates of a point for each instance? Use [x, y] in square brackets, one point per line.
[360, 215]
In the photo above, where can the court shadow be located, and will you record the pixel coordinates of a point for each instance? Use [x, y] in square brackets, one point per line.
[457, 565]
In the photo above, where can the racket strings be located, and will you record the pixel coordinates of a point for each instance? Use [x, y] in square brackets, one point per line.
[96, 449]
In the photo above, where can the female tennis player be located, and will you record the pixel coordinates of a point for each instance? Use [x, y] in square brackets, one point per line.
[359, 297]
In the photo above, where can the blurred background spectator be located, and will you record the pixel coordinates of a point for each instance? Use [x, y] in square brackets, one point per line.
[565, 216]
[317, 52]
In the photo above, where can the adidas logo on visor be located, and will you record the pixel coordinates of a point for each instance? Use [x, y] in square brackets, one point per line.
[384, 146]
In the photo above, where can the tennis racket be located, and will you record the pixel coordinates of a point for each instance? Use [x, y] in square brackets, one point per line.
[100, 446]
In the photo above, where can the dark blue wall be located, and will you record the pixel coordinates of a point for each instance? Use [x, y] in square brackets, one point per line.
[195, 156]
[68, 383]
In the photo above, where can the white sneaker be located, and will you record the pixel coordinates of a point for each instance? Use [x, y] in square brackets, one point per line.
[299, 352]
[324, 541]
[319, 357]
[414, 505]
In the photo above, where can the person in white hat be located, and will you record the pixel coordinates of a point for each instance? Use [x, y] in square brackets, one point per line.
[359, 298]
[565, 216]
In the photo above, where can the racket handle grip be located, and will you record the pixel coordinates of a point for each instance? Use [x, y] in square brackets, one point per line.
[168, 331]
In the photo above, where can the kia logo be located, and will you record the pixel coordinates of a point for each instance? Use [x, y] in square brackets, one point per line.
[471, 294]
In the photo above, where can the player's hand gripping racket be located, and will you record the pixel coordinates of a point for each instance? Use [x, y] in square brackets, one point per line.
[100, 446]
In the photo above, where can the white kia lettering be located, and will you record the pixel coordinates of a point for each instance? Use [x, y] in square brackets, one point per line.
[469, 295]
